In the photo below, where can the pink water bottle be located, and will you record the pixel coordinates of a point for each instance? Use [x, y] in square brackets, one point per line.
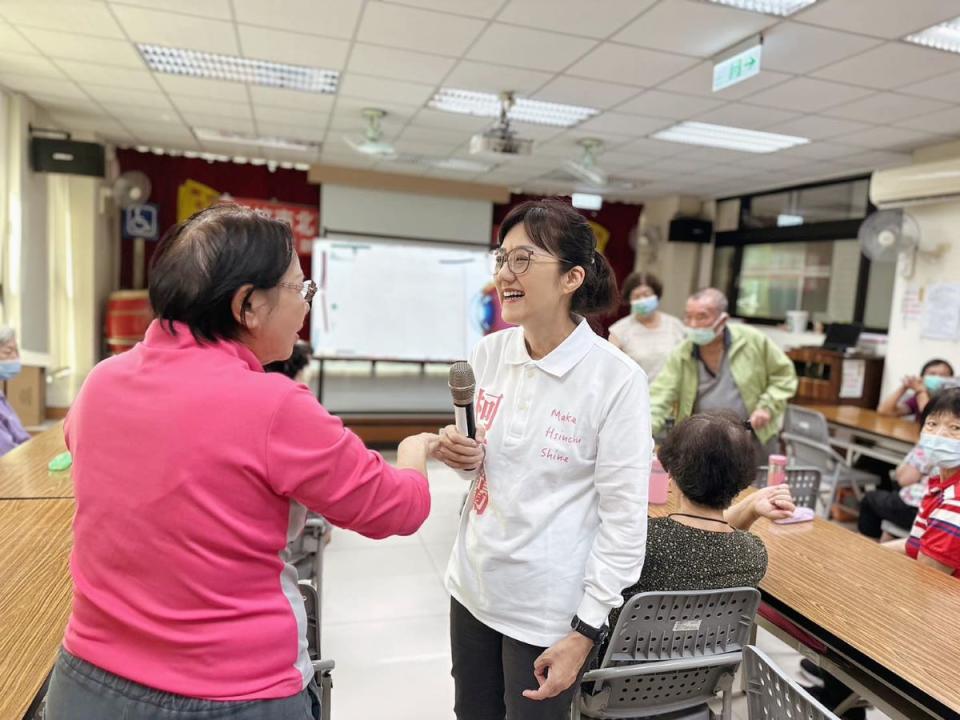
[659, 483]
[776, 470]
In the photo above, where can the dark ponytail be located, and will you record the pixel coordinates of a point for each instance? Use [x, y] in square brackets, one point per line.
[563, 232]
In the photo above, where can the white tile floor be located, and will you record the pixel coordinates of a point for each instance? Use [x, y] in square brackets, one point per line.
[385, 619]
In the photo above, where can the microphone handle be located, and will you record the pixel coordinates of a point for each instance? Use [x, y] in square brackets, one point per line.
[466, 423]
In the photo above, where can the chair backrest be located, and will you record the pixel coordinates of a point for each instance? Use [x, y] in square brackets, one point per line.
[804, 484]
[671, 651]
[771, 695]
[671, 625]
[806, 423]
[807, 438]
[659, 688]
[311, 605]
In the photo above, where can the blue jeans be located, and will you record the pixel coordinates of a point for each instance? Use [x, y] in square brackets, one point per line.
[81, 691]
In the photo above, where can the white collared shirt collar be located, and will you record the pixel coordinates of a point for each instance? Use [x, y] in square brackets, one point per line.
[562, 358]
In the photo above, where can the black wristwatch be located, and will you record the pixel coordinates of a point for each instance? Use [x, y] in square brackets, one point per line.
[597, 635]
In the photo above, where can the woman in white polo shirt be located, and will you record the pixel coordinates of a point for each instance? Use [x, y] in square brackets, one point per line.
[555, 522]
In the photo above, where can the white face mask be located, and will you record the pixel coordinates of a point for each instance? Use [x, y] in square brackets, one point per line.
[941, 452]
[644, 306]
[705, 336]
[700, 336]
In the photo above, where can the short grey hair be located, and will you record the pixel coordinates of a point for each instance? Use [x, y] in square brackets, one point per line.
[716, 298]
[7, 334]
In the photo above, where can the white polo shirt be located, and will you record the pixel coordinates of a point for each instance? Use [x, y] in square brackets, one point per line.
[556, 520]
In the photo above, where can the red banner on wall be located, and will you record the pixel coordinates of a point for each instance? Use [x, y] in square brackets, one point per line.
[303, 219]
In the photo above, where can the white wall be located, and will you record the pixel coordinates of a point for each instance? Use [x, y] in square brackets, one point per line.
[25, 286]
[395, 214]
[907, 350]
[57, 256]
[81, 278]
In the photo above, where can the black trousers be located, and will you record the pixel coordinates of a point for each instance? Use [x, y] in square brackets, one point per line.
[880, 505]
[491, 671]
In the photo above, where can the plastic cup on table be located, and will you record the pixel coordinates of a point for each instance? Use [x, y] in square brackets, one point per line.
[659, 484]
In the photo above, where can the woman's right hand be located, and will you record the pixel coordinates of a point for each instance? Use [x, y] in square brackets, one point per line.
[459, 452]
[413, 451]
[913, 382]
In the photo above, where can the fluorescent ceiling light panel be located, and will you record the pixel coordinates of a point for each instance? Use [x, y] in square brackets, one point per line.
[244, 139]
[768, 7]
[945, 36]
[195, 63]
[469, 102]
[586, 201]
[731, 138]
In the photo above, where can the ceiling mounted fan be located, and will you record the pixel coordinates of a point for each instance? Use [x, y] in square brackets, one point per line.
[373, 143]
[586, 168]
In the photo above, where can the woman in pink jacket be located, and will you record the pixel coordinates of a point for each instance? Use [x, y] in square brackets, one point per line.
[193, 468]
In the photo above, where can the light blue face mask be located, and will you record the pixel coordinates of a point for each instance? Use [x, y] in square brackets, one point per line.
[933, 383]
[700, 336]
[9, 369]
[941, 452]
[645, 306]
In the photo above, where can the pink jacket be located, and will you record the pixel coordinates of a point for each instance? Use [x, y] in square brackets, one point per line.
[192, 470]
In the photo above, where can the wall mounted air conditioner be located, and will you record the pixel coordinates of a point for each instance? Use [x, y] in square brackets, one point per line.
[914, 184]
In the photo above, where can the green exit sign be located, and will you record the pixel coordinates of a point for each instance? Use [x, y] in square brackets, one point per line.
[740, 67]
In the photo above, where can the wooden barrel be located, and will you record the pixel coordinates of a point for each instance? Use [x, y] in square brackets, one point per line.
[126, 320]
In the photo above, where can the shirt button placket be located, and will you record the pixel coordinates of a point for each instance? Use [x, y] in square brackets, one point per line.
[523, 407]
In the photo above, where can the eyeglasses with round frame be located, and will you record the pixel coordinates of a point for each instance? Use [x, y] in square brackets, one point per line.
[518, 260]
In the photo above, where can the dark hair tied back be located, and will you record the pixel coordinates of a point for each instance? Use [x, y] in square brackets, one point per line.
[563, 232]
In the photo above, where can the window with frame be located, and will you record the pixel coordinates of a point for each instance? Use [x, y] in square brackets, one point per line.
[796, 249]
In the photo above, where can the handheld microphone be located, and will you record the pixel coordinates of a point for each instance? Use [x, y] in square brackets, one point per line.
[462, 386]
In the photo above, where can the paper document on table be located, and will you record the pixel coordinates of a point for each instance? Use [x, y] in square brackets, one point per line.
[854, 374]
[941, 317]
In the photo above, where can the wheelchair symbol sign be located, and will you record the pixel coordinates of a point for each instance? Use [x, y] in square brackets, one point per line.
[141, 221]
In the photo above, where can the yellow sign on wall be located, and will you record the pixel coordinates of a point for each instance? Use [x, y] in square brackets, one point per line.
[603, 235]
[192, 197]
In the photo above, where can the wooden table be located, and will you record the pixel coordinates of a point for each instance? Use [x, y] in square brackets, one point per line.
[886, 618]
[23, 470]
[35, 592]
[866, 432]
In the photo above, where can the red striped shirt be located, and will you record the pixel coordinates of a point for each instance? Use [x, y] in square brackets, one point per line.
[936, 531]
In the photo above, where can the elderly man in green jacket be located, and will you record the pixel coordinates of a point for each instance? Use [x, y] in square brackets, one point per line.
[723, 366]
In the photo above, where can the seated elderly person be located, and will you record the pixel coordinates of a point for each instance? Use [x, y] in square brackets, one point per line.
[706, 545]
[935, 537]
[899, 506]
[11, 429]
[914, 392]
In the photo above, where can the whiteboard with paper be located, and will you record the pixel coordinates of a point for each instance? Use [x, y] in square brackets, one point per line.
[400, 299]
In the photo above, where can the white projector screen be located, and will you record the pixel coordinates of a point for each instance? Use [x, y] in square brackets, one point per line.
[394, 299]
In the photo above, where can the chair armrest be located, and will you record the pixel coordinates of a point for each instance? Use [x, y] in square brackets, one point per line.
[323, 666]
[658, 666]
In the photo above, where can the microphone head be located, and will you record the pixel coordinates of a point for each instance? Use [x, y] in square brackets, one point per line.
[462, 383]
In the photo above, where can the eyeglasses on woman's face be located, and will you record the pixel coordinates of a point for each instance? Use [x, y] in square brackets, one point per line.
[307, 288]
[518, 260]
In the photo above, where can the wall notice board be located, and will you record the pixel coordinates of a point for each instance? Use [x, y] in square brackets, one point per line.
[393, 298]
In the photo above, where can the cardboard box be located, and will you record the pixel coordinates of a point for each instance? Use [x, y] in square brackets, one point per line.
[27, 395]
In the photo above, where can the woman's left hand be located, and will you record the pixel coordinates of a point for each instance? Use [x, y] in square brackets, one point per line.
[773, 502]
[559, 665]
